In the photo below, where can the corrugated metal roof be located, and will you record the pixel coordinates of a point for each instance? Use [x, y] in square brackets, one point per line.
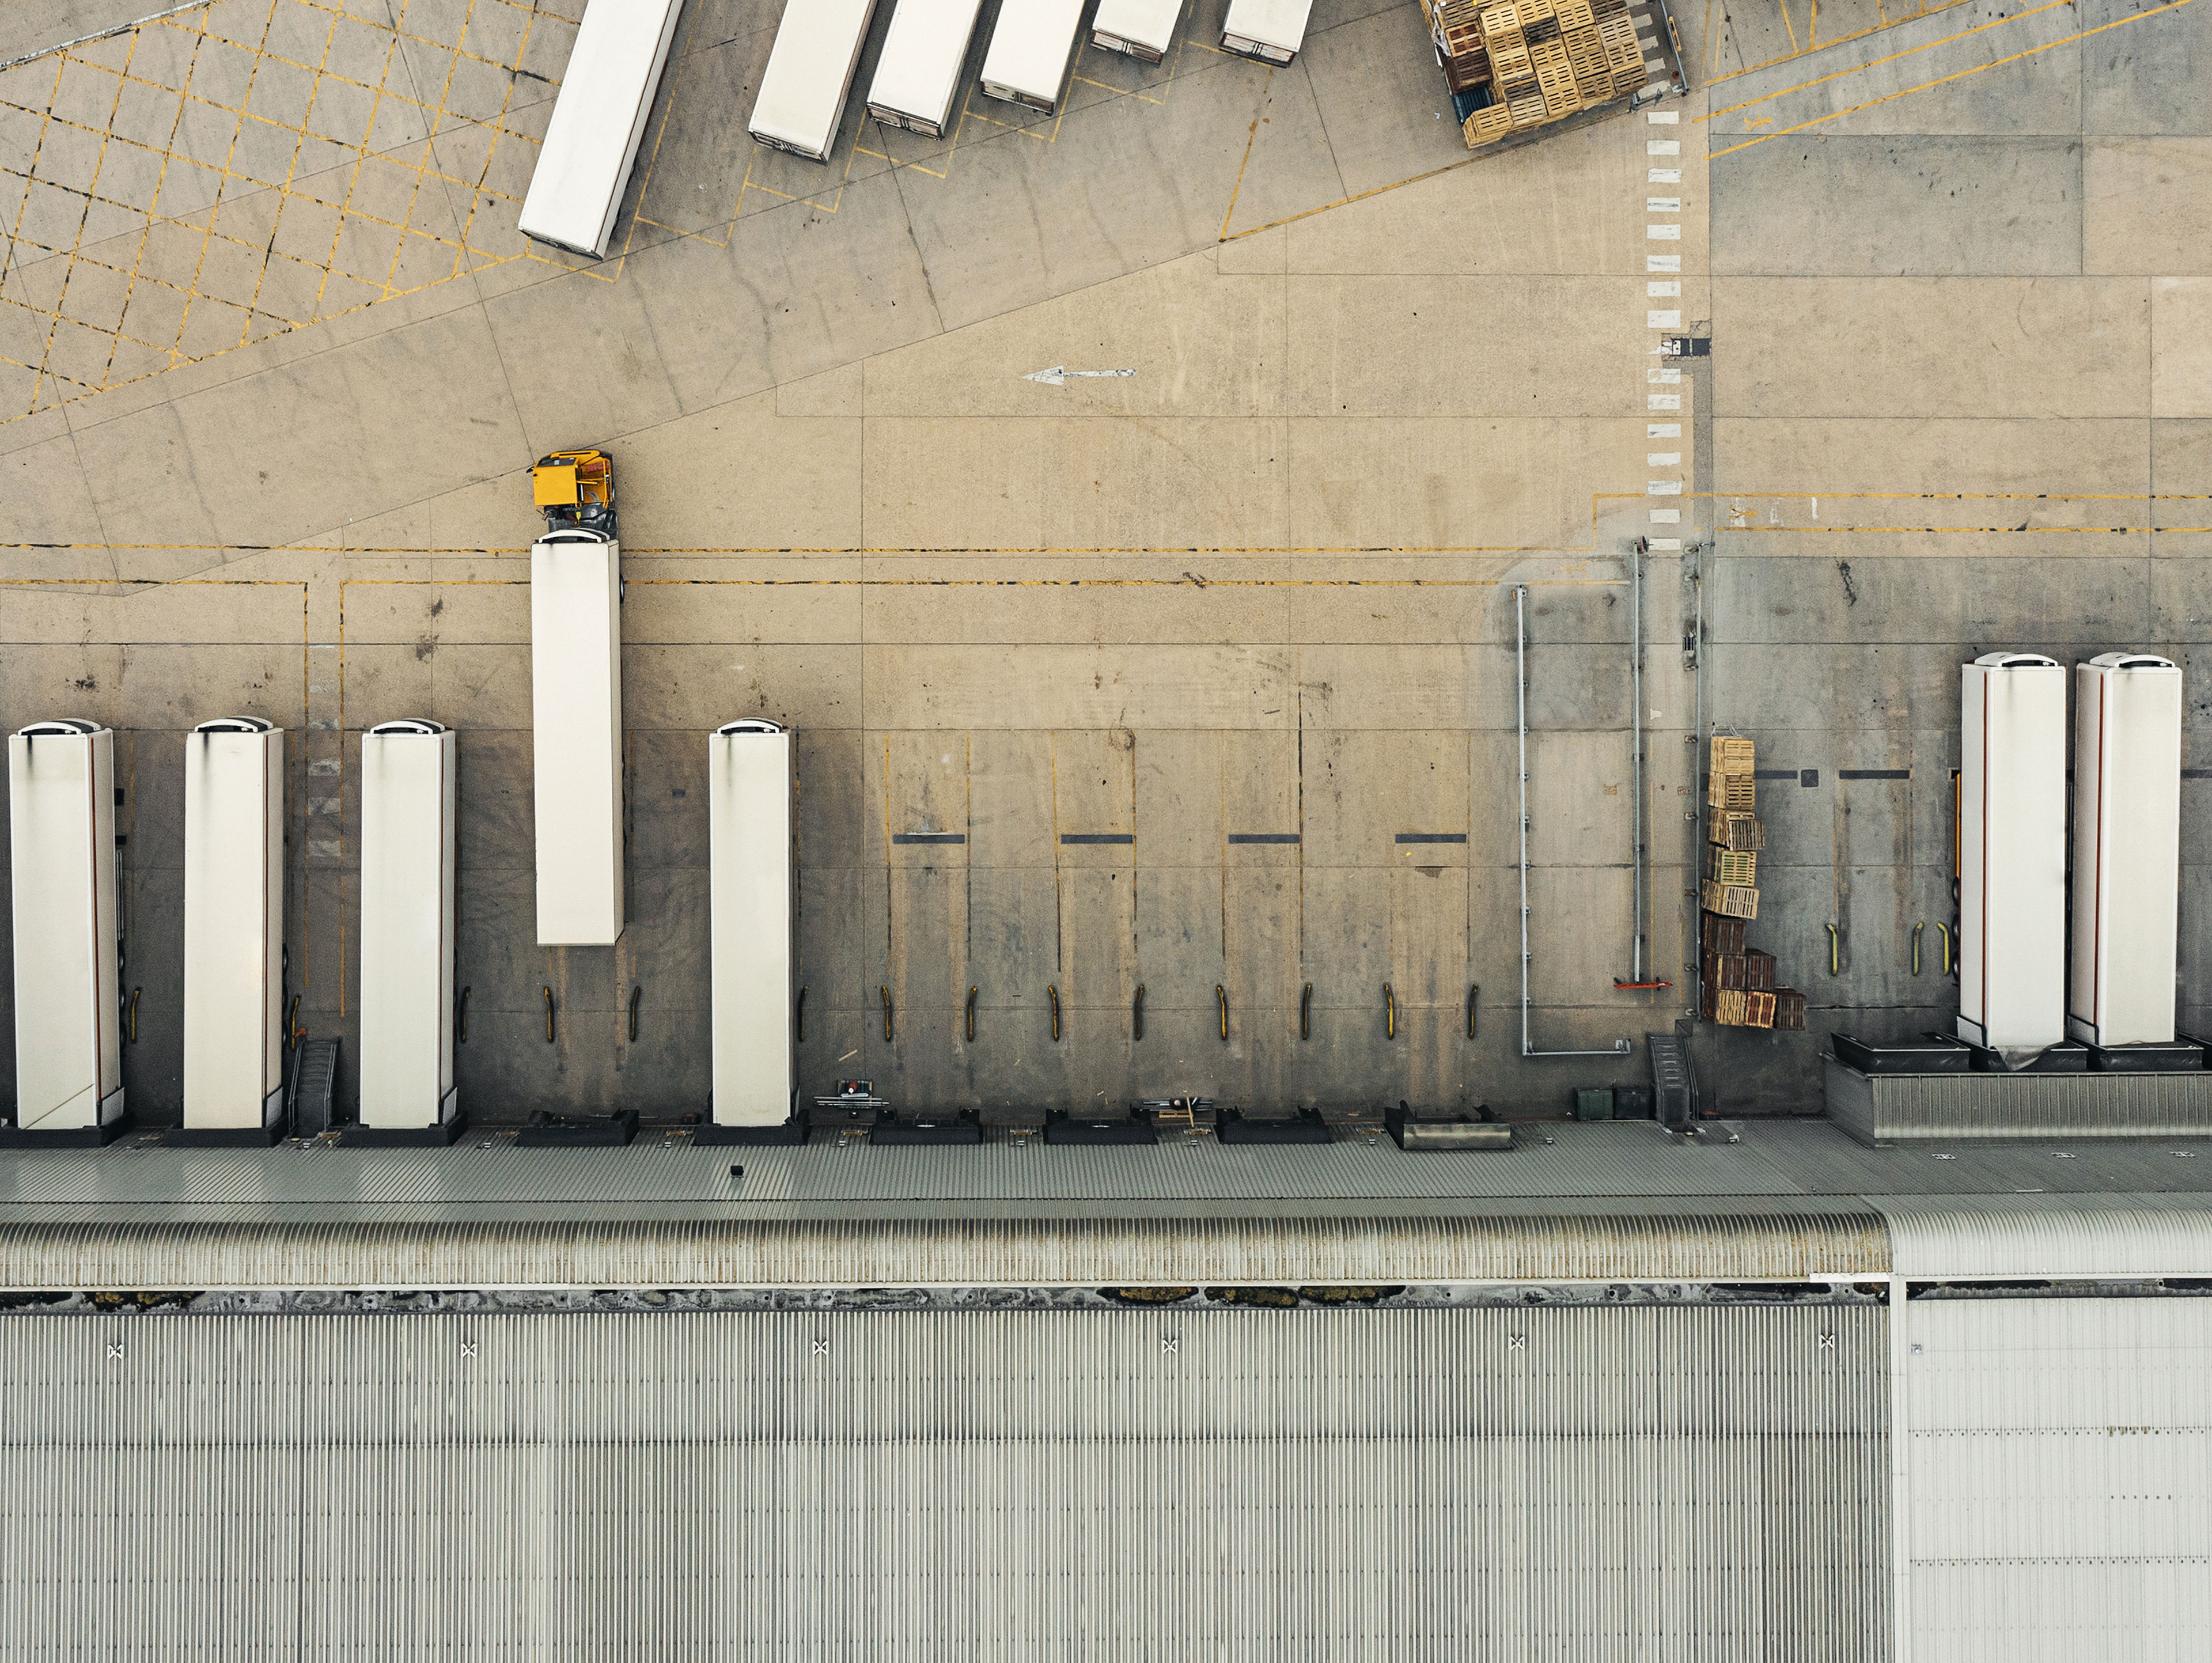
[1626, 1158]
[2056, 1500]
[2055, 1237]
[1813, 1154]
[1614, 1162]
[1701, 1485]
[1690, 1246]
[1954, 1107]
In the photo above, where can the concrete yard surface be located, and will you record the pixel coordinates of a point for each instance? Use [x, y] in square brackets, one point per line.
[1213, 665]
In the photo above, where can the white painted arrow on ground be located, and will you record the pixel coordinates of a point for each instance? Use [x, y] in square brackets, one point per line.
[1057, 377]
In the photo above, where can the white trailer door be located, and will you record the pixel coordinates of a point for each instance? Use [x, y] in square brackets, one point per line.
[1142, 28]
[749, 820]
[810, 74]
[576, 697]
[407, 801]
[234, 923]
[920, 70]
[61, 823]
[1272, 30]
[1030, 45]
[599, 117]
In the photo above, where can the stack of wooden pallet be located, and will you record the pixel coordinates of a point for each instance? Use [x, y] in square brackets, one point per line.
[1738, 985]
[1456, 27]
[1546, 60]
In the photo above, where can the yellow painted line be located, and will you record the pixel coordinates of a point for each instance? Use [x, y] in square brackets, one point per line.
[1962, 75]
[1893, 58]
[1953, 530]
[1597, 499]
[1116, 91]
[194, 27]
[1362, 196]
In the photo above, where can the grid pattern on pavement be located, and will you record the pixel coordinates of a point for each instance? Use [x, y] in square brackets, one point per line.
[230, 172]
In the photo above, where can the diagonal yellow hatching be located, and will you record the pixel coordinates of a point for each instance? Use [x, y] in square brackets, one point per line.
[233, 171]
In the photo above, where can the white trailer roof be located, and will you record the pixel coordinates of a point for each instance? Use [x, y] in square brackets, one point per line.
[810, 70]
[1029, 46]
[1271, 22]
[597, 115]
[1146, 22]
[922, 57]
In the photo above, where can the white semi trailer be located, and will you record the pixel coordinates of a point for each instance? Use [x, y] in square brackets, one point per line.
[598, 118]
[2012, 854]
[61, 828]
[234, 928]
[920, 70]
[1031, 46]
[2127, 849]
[809, 75]
[407, 849]
[1141, 28]
[1269, 30]
[576, 697]
[752, 918]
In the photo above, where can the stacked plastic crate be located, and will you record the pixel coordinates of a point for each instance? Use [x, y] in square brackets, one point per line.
[1737, 989]
[1546, 59]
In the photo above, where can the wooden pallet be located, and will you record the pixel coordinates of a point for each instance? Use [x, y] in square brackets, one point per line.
[1728, 899]
[1735, 830]
[1747, 972]
[1717, 934]
[1733, 755]
[1547, 59]
[1736, 793]
[1736, 866]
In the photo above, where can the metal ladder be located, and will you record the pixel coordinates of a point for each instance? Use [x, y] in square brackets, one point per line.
[314, 1088]
[1673, 1085]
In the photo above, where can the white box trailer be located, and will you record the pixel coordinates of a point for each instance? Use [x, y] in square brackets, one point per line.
[920, 70]
[61, 829]
[234, 925]
[1031, 45]
[809, 75]
[751, 918]
[1142, 28]
[576, 732]
[2012, 854]
[407, 847]
[599, 117]
[1269, 30]
[2127, 849]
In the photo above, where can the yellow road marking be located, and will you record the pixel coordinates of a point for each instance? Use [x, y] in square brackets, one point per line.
[1961, 75]
[1893, 58]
